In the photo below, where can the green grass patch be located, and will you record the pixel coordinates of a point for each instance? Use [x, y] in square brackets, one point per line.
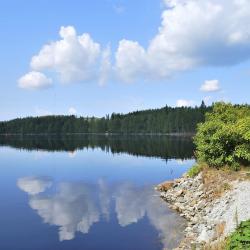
[194, 170]
[240, 239]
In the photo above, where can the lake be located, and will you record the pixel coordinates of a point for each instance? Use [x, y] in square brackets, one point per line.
[89, 191]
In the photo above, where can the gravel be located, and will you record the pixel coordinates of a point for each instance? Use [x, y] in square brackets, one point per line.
[209, 218]
[232, 208]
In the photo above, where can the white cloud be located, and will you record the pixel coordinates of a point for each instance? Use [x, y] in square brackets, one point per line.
[184, 103]
[131, 60]
[72, 111]
[34, 185]
[73, 57]
[210, 86]
[192, 34]
[34, 80]
[105, 68]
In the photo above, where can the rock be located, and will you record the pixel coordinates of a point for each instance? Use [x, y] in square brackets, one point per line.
[165, 186]
[179, 193]
[201, 204]
[198, 194]
[203, 237]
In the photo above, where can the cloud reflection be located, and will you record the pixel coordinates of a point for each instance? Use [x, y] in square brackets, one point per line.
[133, 203]
[33, 185]
[71, 208]
[76, 206]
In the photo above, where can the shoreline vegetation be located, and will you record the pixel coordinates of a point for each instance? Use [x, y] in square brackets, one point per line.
[214, 195]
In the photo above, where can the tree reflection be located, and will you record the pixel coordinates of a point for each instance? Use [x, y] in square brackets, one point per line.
[165, 147]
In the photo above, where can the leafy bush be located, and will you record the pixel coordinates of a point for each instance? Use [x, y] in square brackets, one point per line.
[194, 170]
[240, 239]
[224, 137]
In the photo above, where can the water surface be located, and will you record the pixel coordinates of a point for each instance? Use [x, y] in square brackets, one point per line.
[89, 192]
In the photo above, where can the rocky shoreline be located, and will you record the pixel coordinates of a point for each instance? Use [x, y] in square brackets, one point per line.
[210, 217]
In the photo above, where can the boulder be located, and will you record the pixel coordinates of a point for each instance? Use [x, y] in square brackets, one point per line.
[165, 186]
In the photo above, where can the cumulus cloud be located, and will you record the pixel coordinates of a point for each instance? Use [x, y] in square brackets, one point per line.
[210, 86]
[131, 60]
[34, 185]
[34, 80]
[72, 111]
[192, 34]
[106, 67]
[184, 103]
[73, 57]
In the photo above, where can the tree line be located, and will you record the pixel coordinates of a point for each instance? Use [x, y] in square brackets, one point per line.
[167, 120]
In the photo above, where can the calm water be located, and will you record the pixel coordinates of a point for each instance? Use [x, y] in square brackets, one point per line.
[89, 192]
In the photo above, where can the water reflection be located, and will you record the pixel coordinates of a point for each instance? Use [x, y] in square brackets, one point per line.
[77, 206]
[33, 185]
[166, 147]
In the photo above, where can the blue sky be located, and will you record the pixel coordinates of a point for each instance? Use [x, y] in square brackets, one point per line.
[137, 55]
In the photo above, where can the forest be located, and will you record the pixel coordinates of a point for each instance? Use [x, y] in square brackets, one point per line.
[166, 120]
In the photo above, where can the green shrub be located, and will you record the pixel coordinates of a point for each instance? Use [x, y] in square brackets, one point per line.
[240, 239]
[224, 138]
[194, 170]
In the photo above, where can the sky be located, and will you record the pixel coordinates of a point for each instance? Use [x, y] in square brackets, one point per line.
[95, 57]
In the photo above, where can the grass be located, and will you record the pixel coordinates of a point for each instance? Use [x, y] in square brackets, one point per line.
[218, 180]
[194, 170]
[240, 239]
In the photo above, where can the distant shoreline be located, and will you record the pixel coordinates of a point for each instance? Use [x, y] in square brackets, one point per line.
[106, 134]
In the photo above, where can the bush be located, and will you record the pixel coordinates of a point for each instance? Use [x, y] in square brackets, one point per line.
[224, 138]
[240, 239]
